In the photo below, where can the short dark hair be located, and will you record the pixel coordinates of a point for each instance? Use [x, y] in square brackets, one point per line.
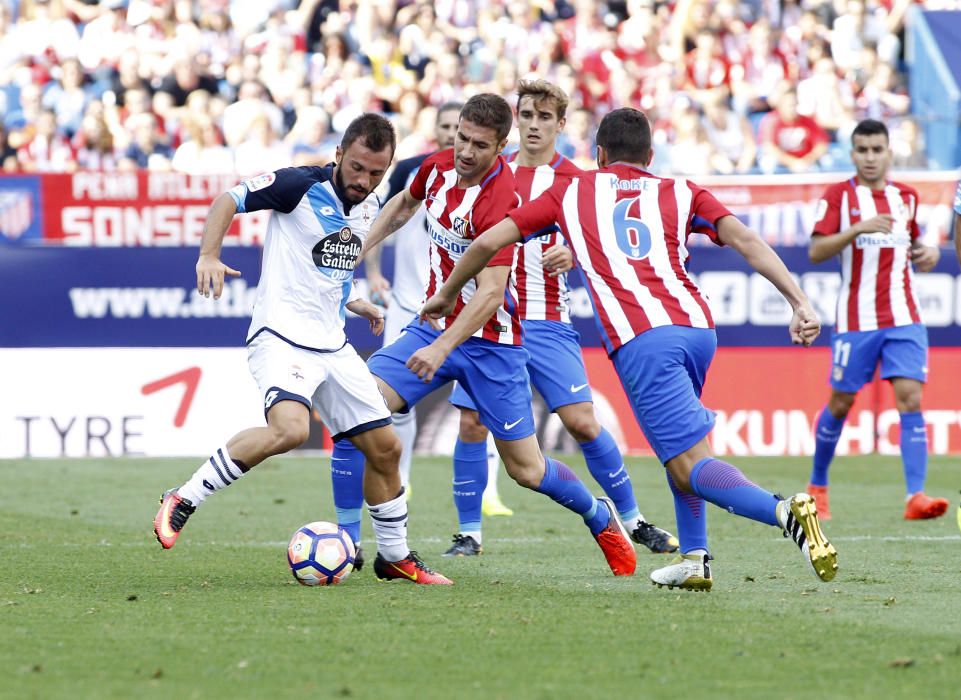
[490, 110]
[870, 127]
[375, 130]
[450, 107]
[625, 134]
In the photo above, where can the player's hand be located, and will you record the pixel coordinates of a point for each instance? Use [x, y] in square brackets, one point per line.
[377, 285]
[426, 361]
[435, 308]
[805, 325]
[372, 313]
[558, 259]
[925, 257]
[210, 275]
[882, 223]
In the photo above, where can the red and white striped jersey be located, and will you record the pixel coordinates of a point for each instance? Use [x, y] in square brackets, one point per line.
[628, 230]
[455, 217]
[877, 280]
[539, 296]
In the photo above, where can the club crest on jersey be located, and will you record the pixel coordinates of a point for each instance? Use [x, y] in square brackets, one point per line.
[336, 254]
[260, 182]
[459, 226]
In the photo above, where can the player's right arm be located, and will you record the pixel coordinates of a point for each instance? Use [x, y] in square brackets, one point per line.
[474, 259]
[828, 239]
[395, 214]
[210, 269]
[805, 325]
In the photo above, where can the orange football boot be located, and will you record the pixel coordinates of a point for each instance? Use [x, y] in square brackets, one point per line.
[171, 518]
[409, 569]
[821, 501]
[616, 543]
[922, 507]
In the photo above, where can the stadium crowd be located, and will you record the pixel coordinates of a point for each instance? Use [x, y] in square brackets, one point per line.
[248, 86]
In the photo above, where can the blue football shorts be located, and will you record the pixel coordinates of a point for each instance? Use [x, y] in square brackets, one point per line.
[495, 375]
[556, 366]
[663, 372]
[902, 351]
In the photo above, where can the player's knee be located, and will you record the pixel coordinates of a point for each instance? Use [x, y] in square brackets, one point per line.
[583, 426]
[287, 435]
[526, 476]
[471, 428]
[384, 456]
[909, 402]
[840, 404]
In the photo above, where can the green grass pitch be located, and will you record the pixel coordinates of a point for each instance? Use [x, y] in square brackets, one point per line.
[91, 607]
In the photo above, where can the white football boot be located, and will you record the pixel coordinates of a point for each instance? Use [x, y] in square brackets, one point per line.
[692, 572]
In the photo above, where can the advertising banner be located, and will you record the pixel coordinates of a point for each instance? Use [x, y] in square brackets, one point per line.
[58, 296]
[107, 402]
[110, 209]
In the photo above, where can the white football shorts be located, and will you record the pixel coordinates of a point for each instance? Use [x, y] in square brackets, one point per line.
[337, 384]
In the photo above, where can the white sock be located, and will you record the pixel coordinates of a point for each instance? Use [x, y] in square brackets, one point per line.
[632, 524]
[696, 552]
[218, 472]
[405, 424]
[493, 466]
[472, 533]
[390, 528]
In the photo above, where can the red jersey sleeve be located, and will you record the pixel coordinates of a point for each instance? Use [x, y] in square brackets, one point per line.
[913, 229]
[828, 218]
[418, 186]
[706, 211]
[541, 214]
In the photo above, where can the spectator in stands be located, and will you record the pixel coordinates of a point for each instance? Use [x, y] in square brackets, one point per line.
[856, 26]
[884, 97]
[735, 148]
[8, 154]
[47, 151]
[105, 39]
[761, 69]
[93, 144]
[261, 151]
[203, 153]
[252, 101]
[67, 97]
[790, 142]
[706, 70]
[44, 34]
[691, 153]
[187, 76]
[146, 151]
[828, 99]
[22, 120]
[311, 140]
[907, 145]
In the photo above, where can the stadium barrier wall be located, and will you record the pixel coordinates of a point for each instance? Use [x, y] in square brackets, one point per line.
[107, 350]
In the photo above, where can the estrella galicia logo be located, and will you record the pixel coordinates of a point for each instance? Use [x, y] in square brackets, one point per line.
[336, 254]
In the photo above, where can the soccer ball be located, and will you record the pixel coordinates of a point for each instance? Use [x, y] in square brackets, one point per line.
[320, 554]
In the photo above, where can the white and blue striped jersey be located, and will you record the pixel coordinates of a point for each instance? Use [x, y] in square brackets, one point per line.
[314, 238]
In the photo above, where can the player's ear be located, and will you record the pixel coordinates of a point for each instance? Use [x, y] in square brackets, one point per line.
[561, 123]
[601, 157]
[502, 145]
[650, 158]
[338, 155]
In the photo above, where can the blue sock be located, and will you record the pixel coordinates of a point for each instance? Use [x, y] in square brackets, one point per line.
[563, 486]
[914, 451]
[470, 480]
[724, 485]
[347, 478]
[826, 436]
[606, 465]
[691, 516]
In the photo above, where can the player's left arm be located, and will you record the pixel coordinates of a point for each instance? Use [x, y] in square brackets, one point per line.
[489, 295]
[371, 312]
[805, 324]
[393, 215]
[558, 259]
[472, 262]
[924, 257]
